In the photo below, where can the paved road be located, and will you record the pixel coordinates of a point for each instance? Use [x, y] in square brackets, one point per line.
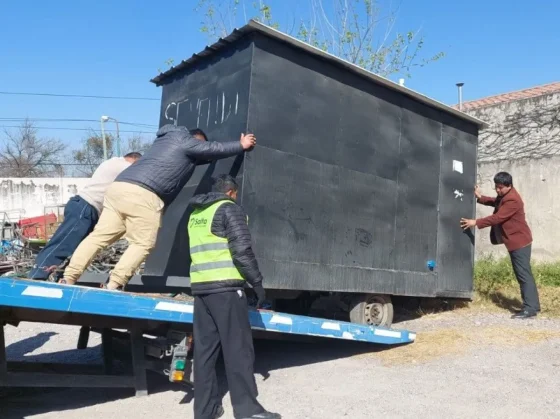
[464, 365]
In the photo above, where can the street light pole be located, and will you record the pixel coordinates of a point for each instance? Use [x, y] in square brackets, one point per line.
[118, 138]
[103, 119]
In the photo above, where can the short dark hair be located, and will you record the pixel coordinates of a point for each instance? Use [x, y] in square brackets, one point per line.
[503, 178]
[224, 184]
[198, 131]
[133, 155]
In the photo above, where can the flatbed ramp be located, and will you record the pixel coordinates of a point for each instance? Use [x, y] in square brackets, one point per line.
[33, 301]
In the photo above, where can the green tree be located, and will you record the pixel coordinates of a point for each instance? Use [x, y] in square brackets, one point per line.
[90, 155]
[359, 31]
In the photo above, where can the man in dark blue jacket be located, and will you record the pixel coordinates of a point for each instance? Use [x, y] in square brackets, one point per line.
[134, 203]
[222, 262]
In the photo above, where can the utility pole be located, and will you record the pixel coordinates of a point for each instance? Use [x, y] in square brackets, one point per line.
[105, 119]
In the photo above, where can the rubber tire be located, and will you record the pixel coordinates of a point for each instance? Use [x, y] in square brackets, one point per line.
[358, 306]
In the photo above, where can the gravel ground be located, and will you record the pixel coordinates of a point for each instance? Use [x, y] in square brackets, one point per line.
[464, 365]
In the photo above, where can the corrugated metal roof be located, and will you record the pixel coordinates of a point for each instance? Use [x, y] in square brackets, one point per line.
[542, 90]
[253, 26]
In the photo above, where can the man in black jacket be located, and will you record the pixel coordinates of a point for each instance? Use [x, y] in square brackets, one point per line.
[134, 202]
[222, 261]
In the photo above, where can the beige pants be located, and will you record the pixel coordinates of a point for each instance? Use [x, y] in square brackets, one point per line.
[130, 211]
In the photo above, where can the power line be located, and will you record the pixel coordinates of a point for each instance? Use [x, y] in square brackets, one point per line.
[48, 119]
[136, 124]
[49, 164]
[79, 96]
[81, 129]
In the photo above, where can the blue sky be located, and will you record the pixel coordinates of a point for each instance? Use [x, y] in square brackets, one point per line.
[113, 48]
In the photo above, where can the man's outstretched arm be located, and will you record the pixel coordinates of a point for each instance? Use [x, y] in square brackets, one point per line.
[483, 200]
[506, 211]
[486, 200]
[213, 150]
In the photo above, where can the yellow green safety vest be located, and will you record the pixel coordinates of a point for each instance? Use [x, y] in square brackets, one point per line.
[210, 256]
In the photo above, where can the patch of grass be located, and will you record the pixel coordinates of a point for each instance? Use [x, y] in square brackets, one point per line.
[491, 273]
[509, 298]
[448, 342]
[497, 289]
[496, 286]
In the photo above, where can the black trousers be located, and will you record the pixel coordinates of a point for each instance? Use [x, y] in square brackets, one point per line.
[222, 321]
[521, 262]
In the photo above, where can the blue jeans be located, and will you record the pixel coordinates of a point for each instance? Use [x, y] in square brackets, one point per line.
[79, 220]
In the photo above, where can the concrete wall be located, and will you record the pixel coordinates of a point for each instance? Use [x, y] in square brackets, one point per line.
[524, 140]
[28, 197]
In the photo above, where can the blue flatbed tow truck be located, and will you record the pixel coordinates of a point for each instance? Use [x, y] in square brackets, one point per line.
[159, 329]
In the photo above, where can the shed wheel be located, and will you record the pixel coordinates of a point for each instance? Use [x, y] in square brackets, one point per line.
[373, 310]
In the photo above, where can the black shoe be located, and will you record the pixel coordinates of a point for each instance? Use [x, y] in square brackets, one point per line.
[265, 415]
[219, 412]
[524, 314]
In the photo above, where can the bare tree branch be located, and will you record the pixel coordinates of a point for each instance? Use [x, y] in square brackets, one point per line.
[530, 131]
[137, 143]
[350, 29]
[24, 154]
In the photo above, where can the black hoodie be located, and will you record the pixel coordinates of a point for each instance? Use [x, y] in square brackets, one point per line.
[230, 221]
[169, 163]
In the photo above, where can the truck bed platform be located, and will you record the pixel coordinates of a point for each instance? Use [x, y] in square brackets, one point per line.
[45, 302]
[99, 302]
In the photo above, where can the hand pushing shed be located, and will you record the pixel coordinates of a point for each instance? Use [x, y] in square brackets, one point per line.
[356, 186]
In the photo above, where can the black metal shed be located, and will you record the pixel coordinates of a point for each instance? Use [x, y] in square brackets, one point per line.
[357, 184]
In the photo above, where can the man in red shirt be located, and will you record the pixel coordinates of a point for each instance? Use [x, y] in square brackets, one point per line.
[508, 226]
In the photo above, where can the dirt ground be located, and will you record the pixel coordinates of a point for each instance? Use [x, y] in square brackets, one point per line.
[464, 364]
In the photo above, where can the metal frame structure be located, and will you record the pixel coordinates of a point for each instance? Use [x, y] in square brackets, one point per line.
[12, 376]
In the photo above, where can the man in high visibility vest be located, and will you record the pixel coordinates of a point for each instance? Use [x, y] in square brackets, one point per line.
[222, 261]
